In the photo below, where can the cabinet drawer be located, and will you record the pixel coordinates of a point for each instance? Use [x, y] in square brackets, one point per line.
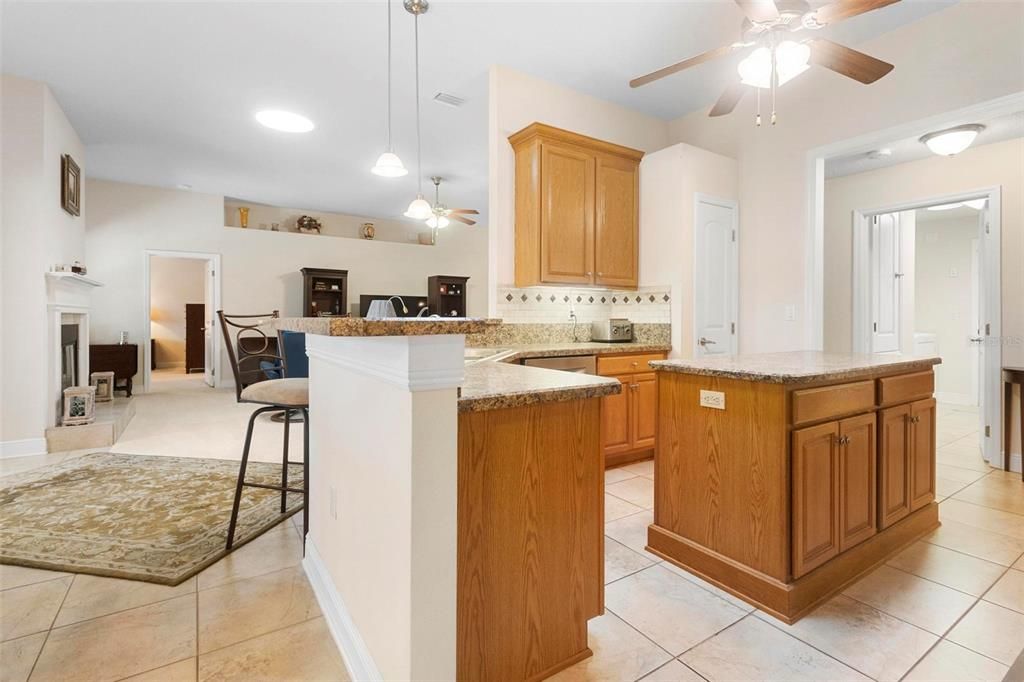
[626, 364]
[906, 387]
[814, 404]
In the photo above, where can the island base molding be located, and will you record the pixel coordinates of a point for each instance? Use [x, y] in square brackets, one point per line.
[789, 602]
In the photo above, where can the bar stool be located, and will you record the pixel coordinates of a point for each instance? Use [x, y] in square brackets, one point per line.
[1011, 376]
[278, 396]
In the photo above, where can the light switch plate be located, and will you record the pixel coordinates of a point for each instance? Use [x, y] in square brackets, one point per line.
[334, 502]
[712, 399]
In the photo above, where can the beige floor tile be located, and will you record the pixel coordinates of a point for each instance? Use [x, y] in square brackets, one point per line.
[1019, 564]
[272, 551]
[300, 652]
[994, 547]
[121, 644]
[632, 531]
[991, 630]
[17, 656]
[620, 653]
[91, 596]
[673, 671]
[995, 492]
[949, 662]
[182, 671]
[958, 474]
[616, 475]
[617, 508]
[668, 608]
[864, 638]
[945, 487]
[638, 491]
[16, 576]
[755, 650]
[31, 608]
[620, 561]
[953, 569]
[918, 601]
[975, 515]
[1009, 591]
[644, 468]
[713, 589]
[256, 606]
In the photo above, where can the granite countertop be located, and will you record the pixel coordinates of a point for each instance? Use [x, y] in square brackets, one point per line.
[399, 326]
[797, 367]
[551, 350]
[497, 385]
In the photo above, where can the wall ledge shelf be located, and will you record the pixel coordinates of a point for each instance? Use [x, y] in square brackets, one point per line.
[71, 277]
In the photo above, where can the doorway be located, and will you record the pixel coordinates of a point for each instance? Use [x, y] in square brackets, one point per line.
[181, 346]
[715, 276]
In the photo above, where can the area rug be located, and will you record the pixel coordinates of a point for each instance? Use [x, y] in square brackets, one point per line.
[156, 519]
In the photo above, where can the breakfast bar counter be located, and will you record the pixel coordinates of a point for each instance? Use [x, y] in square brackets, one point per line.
[784, 477]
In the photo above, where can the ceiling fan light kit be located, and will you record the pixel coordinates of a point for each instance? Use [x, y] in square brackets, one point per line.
[791, 60]
[952, 141]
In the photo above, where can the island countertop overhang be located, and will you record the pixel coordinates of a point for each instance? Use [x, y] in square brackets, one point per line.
[797, 367]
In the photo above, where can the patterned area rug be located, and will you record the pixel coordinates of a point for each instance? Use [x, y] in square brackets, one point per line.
[157, 519]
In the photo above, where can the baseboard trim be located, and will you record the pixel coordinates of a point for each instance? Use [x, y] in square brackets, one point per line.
[955, 398]
[353, 650]
[1015, 462]
[22, 448]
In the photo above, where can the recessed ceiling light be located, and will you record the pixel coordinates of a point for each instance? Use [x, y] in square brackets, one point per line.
[285, 121]
[952, 140]
[449, 99]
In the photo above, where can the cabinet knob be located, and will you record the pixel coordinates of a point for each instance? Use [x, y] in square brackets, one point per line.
[589, 273]
[600, 274]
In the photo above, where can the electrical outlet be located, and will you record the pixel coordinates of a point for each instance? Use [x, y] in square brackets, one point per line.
[712, 399]
[790, 312]
[334, 502]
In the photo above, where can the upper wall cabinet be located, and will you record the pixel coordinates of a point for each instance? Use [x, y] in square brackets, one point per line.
[577, 209]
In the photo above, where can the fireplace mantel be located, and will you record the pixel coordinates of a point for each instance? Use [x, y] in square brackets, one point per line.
[67, 302]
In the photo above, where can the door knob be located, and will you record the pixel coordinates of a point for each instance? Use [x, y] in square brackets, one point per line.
[977, 339]
[705, 342]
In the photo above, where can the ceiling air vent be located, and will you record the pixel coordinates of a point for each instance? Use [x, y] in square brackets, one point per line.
[449, 100]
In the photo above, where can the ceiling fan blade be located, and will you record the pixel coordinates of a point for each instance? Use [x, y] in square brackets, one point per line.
[847, 61]
[471, 211]
[729, 99]
[759, 10]
[462, 219]
[844, 9]
[679, 66]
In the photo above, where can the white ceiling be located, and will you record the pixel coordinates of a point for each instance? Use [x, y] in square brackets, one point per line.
[162, 93]
[912, 149]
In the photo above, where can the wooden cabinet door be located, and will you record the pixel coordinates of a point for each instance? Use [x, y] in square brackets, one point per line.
[644, 413]
[567, 214]
[922, 457]
[616, 434]
[857, 497]
[815, 461]
[616, 238]
[894, 465]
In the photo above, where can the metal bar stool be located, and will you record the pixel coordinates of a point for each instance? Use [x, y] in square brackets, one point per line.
[281, 396]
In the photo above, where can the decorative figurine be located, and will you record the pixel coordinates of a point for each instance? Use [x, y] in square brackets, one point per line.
[79, 405]
[308, 225]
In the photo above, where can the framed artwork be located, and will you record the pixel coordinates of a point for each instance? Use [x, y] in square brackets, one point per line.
[70, 185]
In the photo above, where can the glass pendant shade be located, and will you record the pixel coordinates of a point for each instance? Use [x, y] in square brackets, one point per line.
[791, 60]
[389, 166]
[419, 209]
[439, 222]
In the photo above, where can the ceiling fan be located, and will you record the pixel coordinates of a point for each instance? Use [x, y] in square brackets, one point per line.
[443, 214]
[776, 54]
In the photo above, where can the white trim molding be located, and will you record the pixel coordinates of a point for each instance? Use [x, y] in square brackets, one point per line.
[415, 363]
[353, 650]
[22, 448]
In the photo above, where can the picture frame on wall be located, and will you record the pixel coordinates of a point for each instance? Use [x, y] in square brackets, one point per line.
[70, 185]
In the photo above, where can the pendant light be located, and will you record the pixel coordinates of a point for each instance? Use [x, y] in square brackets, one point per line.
[419, 208]
[388, 164]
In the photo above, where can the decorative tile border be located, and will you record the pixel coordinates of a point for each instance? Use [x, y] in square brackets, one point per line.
[554, 304]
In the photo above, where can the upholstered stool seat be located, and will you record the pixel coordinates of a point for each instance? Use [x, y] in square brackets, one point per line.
[289, 392]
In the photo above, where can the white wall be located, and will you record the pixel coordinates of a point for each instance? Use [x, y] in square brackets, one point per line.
[670, 179]
[934, 73]
[260, 269]
[516, 101]
[173, 282]
[36, 235]
[262, 217]
[942, 281]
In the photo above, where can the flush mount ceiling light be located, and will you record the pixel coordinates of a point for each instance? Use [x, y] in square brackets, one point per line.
[419, 208]
[976, 204]
[946, 207]
[285, 121]
[388, 164]
[952, 141]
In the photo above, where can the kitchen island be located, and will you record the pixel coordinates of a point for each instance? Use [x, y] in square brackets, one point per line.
[456, 512]
[784, 477]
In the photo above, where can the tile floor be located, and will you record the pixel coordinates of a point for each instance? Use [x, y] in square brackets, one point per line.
[950, 607]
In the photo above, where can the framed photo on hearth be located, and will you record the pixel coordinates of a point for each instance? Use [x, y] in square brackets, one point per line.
[70, 185]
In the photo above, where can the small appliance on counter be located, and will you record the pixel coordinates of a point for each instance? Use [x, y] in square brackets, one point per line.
[614, 330]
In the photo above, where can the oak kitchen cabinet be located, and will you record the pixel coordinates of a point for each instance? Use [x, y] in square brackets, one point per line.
[577, 209]
[629, 419]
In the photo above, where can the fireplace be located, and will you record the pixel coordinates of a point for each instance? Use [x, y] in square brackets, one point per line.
[68, 355]
[67, 306]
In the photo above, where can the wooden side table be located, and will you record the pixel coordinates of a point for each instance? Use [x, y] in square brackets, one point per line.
[1011, 376]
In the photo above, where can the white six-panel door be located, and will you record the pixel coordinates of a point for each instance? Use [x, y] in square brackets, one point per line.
[715, 277]
[885, 279]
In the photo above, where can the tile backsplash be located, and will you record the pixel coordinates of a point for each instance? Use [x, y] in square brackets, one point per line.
[553, 304]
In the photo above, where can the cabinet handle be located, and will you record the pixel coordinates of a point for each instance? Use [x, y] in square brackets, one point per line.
[589, 273]
[600, 274]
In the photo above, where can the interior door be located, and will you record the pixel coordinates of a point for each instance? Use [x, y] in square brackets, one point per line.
[715, 278]
[209, 340]
[885, 283]
[989, 348]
